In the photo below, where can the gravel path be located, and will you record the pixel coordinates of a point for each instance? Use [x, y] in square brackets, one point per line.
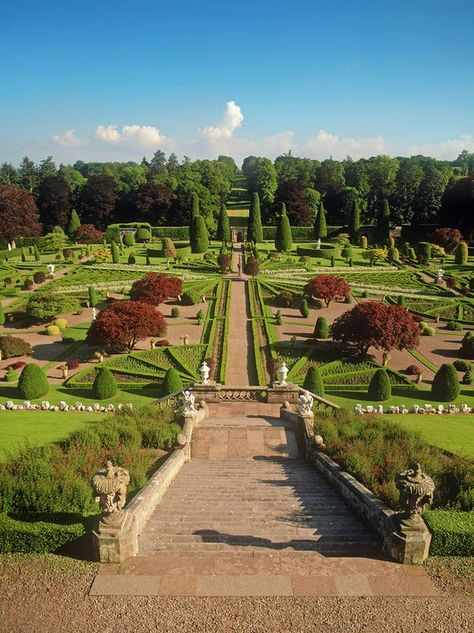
[49, 594]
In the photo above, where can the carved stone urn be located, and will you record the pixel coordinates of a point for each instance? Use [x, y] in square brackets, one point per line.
[416, 493]
[204, 371]
[110, 490]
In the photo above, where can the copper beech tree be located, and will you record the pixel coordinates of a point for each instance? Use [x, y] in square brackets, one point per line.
[88, 234]
[122, 324]
[18, 214]
[378, 325]
[155, 288]
[328, 288]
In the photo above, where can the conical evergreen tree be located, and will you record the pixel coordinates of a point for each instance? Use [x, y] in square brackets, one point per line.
[74, 223]
[283, 236]
[104, 386]
[254, 225]
[36, 253]
[354, 220]
[380, 388]
[194, 214]
[223, 226]
[115, 253]
[445, 385]
[313, 381]
[93, 298]
[383, 224]
[200, 237]
[2, 314]
[320, 227]
[171, 382]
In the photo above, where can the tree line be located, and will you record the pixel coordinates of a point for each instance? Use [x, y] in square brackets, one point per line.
[419, 189]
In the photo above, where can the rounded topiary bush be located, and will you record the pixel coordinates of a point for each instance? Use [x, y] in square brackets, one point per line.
[462, 365]
[445, 386]
[171, 382]
[313, 381]
[468, 378]
[175, 312]
[12, 346]
[454, 326]
[304, 310]
[11, 375]
[428, 331]
[132, 259]
[53, 330]
[321, 329]
[129, 239]
[33, 382]
[278, 318]
[380, 388]
[39, 277]
[104, 384]
[143, 235]
[61, 323]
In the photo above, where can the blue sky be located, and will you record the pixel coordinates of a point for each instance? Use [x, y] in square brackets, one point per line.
[116, 80]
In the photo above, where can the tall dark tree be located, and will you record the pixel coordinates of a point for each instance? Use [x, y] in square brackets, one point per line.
[283, 236]
[54, 202]
[354, 220]
[293, 194]
[383, 223]
[153, 203]
[18, 214]
[457, 210]
[97, 200]
[320, 227]
[223, 226]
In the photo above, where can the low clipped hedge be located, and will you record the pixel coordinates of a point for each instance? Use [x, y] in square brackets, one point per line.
[174, 232]
[452, 532]
[326, 253]
[36, 533]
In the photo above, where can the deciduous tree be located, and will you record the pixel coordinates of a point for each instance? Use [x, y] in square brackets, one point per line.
[156, 288]
[54, 202]
[328, 288]
[123, 324]
[18, 214]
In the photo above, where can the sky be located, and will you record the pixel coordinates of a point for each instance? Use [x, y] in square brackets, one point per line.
[118, 80]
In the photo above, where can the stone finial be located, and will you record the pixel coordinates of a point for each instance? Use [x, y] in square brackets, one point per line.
[110, 489]
[204, 371]
[282, 373]
[416, 491]
[305, 403]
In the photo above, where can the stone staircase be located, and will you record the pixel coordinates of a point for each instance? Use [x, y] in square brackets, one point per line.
[247, 489]
[247, 517]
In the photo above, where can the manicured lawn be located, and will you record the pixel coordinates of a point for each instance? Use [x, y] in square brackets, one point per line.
[453, 433]
[38, 427]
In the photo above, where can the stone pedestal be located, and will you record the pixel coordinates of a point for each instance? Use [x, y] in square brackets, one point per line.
[209, 391]
[277, 393]
[114, 542]
[410, 543]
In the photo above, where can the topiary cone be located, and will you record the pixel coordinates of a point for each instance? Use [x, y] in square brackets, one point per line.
[313, 381]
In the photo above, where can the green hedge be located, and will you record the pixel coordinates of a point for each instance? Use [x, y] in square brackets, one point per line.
[326, 253]
[301, 232]
[37, 533]
[174, 232]
[452, 532]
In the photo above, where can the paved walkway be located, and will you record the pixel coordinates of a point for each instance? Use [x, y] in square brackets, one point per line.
[240, 355]
[247, 517]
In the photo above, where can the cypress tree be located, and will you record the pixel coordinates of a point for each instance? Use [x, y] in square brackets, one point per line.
[321, 329]
[380, 388]
[194, 214]
[115, 253]
[2, 314]
[423, 253]
[33, 382]
[171, 382]
[129, 239]
[283, 237]
[320, 227]
[313, 381]
[23, 254]
[304, 310]
[36, 253]
[74, 223]
[104, 384]
[354, 220]
[383, 223]
[169, 249]
[200, 237]
[445, 385]
[93, 298]
[460, 256]
[254, 225]
[223, 226]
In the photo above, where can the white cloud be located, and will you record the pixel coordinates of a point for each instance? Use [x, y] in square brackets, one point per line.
[324, 144]
[446, 150]
[142, 136]
[68, 139]
[231, 120]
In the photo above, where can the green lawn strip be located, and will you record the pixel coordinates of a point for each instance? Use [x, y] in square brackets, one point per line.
[39, 427]
[423, 360]
[225, 334]
[453, 433]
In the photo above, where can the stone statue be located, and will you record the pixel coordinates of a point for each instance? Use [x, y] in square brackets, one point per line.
[189, 399]
[110, 489]
[416, 492]
[50, 268]
[318, 244]
[94, 313]
[440, 274]
[204, 371]
[282, 373]
[305, 402]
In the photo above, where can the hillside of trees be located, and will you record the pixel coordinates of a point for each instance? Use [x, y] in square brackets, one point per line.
[419, 190]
